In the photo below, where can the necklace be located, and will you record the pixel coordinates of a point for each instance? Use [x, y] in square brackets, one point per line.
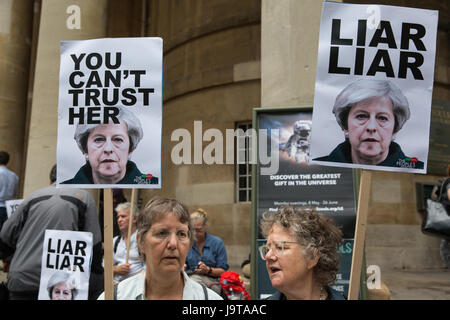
[322, 295]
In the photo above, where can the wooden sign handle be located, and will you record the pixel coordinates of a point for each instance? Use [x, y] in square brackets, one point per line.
[360, 233]
[130, 221]
[108, 243]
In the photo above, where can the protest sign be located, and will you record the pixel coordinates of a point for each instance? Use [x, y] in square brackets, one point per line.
[374, 82]
[12, 205]
[110, 113]
[65, 267]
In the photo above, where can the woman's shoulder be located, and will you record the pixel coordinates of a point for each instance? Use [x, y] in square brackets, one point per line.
[334, 294]
[195, 291]
[130, 288]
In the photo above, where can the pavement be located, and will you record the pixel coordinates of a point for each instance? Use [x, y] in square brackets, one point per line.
[426, 284]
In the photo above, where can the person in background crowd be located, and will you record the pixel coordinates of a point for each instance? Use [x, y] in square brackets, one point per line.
[9, 185]
[23, 233]
[122, 268]
[301, 254]
[207, 259]
[164, 238]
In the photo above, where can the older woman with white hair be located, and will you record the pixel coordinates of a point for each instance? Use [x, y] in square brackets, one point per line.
[370, 113]
[107, 149]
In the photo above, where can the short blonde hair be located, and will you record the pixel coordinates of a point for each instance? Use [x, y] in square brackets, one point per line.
[201, 215]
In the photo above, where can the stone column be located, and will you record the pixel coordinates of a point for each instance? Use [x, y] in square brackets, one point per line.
[289, 43]
[15, 41]
[43, 120]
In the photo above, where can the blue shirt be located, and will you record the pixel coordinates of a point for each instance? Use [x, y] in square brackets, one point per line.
[214, 254]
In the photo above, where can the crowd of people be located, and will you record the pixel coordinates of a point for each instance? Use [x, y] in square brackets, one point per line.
[162, 251]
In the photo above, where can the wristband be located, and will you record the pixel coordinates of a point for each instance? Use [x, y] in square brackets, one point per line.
[210, 270]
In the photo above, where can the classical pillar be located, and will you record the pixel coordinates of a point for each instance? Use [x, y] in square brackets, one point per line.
[289, 42]
[15, 41]
[59, 21]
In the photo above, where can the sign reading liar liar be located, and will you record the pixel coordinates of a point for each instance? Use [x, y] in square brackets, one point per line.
[374, 83]
[65, 267]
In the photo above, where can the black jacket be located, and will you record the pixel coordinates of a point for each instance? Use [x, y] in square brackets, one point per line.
[395, 158]
[132, 176]
[332, 295]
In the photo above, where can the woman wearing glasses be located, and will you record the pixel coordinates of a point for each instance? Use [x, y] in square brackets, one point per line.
[207, 259]
[301, 254]
[164, 238]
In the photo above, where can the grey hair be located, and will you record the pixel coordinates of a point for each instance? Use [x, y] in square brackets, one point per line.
[369, 88]
[134, 129]
[59, 277]
[126, 206]
[199, 215]
[155, 210]
[317, 235]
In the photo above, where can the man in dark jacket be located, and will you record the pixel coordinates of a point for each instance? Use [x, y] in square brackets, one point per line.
[23, 233]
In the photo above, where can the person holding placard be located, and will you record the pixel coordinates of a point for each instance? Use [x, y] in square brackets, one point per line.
[164, 238]
[371, 112]
[24, 233]
[301, 254]
[107, 149]
[124, 268]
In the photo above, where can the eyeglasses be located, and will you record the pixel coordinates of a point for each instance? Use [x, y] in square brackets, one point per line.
[199, 230]
[163, 234]
[277, 248]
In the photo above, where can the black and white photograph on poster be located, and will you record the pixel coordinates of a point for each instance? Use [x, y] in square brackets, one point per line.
[374, 83]
[329, 190]
[110, 113]
[65, 267]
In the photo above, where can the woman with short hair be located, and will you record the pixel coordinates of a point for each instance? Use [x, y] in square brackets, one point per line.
[301, 254]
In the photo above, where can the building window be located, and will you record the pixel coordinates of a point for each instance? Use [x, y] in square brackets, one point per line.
[243, 166]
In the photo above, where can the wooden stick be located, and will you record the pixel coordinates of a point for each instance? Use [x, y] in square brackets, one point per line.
[108, 243]
[130, 221]
[360, 234]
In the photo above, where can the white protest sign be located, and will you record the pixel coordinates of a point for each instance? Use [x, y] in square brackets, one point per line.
[374, 83]
[110, 113]
[12, 205]
[66, 263]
